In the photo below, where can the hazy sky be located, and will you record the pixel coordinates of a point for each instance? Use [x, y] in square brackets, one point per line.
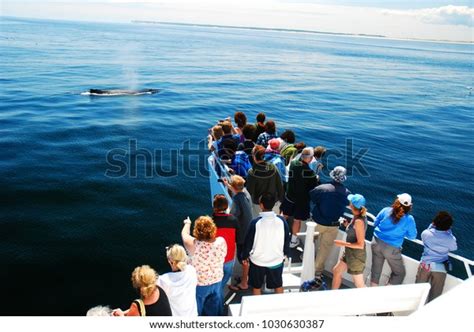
[423, 19]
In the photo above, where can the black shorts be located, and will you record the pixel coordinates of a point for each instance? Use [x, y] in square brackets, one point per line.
[289, 208]
[257, 276]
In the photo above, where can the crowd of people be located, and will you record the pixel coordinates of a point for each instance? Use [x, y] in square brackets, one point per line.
[275, 184]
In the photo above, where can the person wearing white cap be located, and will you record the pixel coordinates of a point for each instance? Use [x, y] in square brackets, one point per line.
[391, 226]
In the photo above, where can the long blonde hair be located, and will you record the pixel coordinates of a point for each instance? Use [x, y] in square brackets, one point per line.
[177, 255]
[144, 279]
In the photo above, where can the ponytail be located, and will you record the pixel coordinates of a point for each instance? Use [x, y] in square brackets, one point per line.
[177, 255]
[144, 279]
[181, 266]
[147, 291]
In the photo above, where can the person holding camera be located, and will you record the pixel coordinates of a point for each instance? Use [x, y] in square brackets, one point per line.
[353, 260]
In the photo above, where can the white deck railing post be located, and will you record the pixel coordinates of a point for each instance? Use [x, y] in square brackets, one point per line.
[308, 254]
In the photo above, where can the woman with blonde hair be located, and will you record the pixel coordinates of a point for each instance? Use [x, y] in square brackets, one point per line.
[391, 226]
[353, 260]
[207, 256]
[153, 300]
[180, 284]
[215, 134]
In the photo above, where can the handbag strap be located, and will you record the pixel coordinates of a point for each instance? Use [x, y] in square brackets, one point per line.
[141, 307]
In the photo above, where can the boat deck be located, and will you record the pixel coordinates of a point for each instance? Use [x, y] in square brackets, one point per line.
[302, 268]
[296, 255]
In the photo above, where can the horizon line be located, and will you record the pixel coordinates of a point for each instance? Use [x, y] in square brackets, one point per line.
[443, 41]
[259, 28]
[348, 34]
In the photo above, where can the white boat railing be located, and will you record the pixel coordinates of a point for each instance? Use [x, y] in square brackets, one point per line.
[217, 166]
[466, 262]
[399, 299]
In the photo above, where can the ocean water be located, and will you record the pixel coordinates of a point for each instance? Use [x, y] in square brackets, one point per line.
[73, 227]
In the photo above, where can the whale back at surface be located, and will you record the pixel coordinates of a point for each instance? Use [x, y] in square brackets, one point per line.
[119, 92]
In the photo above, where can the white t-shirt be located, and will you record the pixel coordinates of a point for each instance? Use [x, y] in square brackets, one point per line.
[180, 287]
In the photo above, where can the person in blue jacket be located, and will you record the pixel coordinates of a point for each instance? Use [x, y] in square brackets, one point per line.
[438, 241]
[329, 202]
[392, 225]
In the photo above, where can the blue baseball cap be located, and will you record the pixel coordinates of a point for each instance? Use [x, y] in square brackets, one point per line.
[357, 200]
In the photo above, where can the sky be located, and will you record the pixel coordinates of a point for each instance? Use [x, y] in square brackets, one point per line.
[422, 19]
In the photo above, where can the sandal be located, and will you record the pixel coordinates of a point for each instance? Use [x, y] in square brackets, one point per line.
[237, 288]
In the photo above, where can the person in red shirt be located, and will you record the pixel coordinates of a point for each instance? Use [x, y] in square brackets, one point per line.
[227, 226]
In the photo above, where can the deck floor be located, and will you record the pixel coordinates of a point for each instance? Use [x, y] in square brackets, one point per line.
[296, 256]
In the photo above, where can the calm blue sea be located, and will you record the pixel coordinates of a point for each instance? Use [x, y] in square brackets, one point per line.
[71, 235]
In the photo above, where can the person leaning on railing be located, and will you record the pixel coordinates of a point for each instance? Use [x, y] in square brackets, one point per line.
[227, 128]
[391, 226]
[438, 241]
[215, 134]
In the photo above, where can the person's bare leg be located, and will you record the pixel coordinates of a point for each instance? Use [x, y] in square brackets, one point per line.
[337, 272]
[296, 226]
[256, 291]
[358, 280]
[245, 277]
[278, 290]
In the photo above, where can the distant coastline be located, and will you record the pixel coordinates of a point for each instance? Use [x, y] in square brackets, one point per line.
[299, 31]
[259, 28]
[463, 42]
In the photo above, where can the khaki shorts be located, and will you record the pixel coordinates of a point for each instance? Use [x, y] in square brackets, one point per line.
[355, 260]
